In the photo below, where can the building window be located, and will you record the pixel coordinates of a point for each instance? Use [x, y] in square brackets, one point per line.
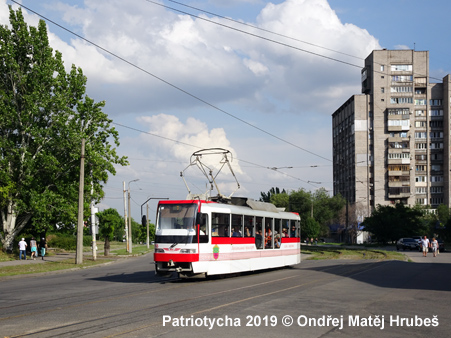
[420, 124]
[420, 113]
[420, 168]
[435, 102]
[419, 135]
[421, 201]
[420, 178]
[420, 145]
[420, 190]
[435, 112]
[436, 200]
[398, 111]
[436, 179]
[436, 190]
[402, 78]
[420, 102]
[401, 68]
[382, 68]
[401, 89]
[397, 156]
[401, 100]
[436, 145]
[436, 134]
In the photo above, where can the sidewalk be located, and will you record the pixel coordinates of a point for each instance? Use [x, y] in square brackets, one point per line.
[54, 257]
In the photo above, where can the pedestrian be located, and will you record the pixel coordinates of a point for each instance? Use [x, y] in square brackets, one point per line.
[43, 246]
[434, 246]
[34, 250]
[23, 249]
[425, 244]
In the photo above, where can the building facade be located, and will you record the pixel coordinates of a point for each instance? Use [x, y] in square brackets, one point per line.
[391, 144]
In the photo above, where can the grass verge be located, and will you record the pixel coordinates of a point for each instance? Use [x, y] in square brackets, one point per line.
[322, 252]
[48, 266]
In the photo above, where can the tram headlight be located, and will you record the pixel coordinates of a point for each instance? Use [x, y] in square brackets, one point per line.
[188, 251]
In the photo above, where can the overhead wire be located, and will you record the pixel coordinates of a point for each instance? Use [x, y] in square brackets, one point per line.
[274, 33]
[194, 96]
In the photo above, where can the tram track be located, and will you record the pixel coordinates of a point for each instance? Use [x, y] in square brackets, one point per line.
[118, 324]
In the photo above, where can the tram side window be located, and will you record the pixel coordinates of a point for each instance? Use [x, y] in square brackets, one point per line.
[285, 228]
[237, 226]
[248, 226]
[259, 240]
[294, 231]
[203, 228]
[269, 233]
[277, 233]
[220, 226]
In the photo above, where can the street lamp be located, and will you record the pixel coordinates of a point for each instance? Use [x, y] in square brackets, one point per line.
[147, 217]
[130, 218]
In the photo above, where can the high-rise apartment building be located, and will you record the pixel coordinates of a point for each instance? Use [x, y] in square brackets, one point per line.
[392, 142]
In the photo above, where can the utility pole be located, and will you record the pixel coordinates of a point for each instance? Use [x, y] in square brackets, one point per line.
[93, 222]
[130, 250]
[125, 217]
[147, 221]
[79, 253]
[147, 217]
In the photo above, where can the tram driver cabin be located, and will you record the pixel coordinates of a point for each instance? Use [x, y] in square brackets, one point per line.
[211, 237]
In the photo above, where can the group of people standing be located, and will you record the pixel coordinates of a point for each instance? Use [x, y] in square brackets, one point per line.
[34, 248]
[426, 244]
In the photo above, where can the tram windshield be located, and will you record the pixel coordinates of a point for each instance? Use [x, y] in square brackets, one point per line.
[176, 224]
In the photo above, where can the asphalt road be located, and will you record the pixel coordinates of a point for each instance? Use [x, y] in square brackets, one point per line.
[335, 298]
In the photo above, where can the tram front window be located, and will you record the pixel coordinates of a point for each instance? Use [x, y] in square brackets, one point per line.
[176, 223]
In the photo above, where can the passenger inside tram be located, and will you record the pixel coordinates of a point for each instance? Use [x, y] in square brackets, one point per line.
[259, 240]
[236, 232]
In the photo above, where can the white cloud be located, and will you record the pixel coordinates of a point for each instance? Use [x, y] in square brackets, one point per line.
[288, 92]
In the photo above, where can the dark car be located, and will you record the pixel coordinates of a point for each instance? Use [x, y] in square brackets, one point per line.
[407, 243]
[441, 245]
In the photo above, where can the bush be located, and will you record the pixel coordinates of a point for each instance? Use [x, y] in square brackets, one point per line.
[66, 242]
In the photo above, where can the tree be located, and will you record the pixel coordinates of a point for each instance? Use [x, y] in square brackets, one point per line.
[311, 228]
[109, 221]
[389, 223]
[45, 114]
[266, 197]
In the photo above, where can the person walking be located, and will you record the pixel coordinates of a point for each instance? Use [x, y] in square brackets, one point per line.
[425, 244]
[434, 246]
[43, 246]
[23, 249]
[34, 250]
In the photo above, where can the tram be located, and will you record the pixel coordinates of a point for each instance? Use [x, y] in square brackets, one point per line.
[213, 237]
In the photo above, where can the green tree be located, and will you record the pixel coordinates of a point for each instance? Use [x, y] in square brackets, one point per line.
[45, 114]
[109, 221]
[311, 228]
[266, 197]
[389, 223]
[281, 200]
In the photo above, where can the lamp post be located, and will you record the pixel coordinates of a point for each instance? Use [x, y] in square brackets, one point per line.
[130, 218]
[147, 217]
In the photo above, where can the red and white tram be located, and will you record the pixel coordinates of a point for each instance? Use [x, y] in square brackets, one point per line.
[209, 237]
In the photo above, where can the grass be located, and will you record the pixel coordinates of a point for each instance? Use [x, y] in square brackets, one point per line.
[322, 252]
[48, 266]
[116, 249]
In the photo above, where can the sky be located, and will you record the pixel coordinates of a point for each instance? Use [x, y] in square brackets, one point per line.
[259, 79]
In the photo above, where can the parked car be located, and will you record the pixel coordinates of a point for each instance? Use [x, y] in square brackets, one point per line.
[407, 243]
[441, 245]
[418, 239]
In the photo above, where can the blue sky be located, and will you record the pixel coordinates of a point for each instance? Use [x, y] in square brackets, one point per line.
[269, 98]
